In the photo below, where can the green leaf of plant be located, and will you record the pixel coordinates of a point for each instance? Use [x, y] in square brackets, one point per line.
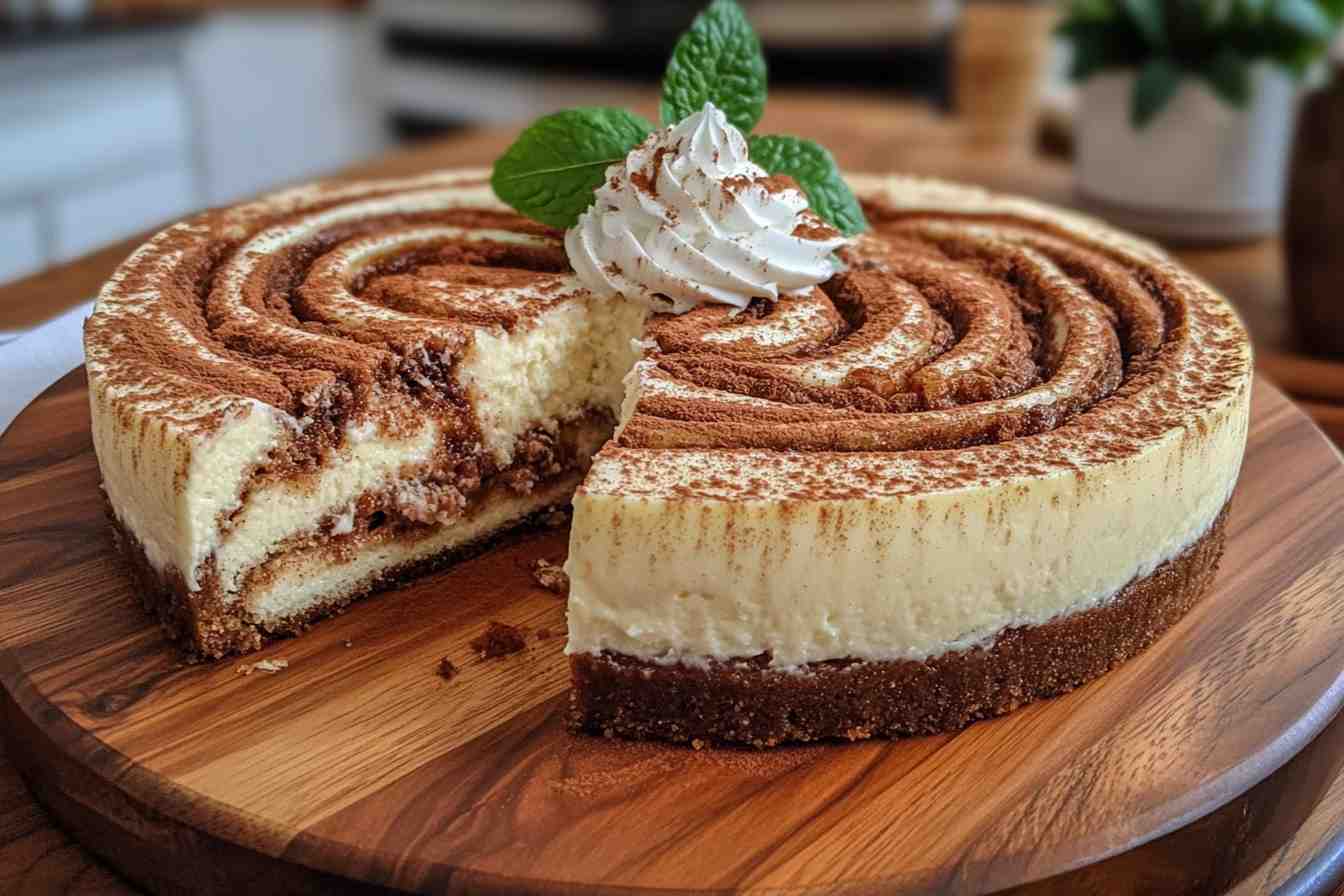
[1091, 10]
[1088, 59]
[816, 172]
[1094, 48]
[1306, 17]
[552, 169]
[1147, 15]
[1229, 74]
[1298, 57]
[1153, 89]
[1334, 9]
[719, 61]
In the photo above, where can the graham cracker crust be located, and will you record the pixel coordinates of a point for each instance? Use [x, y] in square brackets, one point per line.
[748, 703]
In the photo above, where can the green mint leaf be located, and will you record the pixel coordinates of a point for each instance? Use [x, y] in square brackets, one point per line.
[1229, 75]
[552, 169]
[1153, 89]
[718, 61]
[816, 172]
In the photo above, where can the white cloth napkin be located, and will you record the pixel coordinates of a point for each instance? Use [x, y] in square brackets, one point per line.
[31, 361]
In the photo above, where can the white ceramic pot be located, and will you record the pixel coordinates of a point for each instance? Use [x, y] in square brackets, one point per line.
[1201, 171]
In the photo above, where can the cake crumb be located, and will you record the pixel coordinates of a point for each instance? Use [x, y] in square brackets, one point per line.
[551, 576]
[543, 634]
[447, 669]
[499, 639]
[349, 643]
[270, 666]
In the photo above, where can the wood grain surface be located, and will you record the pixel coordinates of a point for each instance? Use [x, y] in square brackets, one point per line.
[358, 768]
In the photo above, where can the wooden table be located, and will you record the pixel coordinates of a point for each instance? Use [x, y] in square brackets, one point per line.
[1258, 849]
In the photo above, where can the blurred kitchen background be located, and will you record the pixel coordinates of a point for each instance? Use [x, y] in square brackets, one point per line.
[1177, 118]
[116, 115]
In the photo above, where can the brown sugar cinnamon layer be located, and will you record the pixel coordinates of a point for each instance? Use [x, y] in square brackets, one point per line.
[749, 703]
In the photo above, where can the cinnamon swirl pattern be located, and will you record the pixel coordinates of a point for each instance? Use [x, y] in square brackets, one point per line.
[945, 333]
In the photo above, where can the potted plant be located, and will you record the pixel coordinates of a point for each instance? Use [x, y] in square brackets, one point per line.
[1186, 108]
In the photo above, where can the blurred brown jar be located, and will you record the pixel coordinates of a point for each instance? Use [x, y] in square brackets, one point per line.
[1314, 221]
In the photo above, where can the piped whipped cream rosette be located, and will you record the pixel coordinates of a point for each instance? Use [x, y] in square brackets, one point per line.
[687, 218]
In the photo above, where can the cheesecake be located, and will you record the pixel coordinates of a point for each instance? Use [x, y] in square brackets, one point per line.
[987, 463]
[973, 457]
[330, 390]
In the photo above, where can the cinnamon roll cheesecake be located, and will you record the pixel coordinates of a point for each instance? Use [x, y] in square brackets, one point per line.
[972, 457]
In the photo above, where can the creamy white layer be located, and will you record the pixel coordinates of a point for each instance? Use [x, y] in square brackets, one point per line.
[170, 486]
[572, 359]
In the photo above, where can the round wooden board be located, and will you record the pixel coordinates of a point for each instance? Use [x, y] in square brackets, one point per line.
[358, 768]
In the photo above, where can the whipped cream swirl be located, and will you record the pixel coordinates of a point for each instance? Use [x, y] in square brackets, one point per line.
[688, 219]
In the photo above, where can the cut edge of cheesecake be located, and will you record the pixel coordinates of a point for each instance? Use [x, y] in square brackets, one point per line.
[237, 547]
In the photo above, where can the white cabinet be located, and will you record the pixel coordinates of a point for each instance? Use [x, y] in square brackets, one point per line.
[282, 98]
[108, 135]
[96, 142]
[63, 130]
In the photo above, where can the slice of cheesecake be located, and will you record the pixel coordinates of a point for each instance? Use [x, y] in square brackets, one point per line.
[330, 390]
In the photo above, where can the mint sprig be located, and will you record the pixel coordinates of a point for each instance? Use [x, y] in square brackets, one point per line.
[718, 60]
[816, 172]
[552, 169]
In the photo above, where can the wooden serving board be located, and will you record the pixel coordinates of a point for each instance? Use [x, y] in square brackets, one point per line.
[357, 768]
